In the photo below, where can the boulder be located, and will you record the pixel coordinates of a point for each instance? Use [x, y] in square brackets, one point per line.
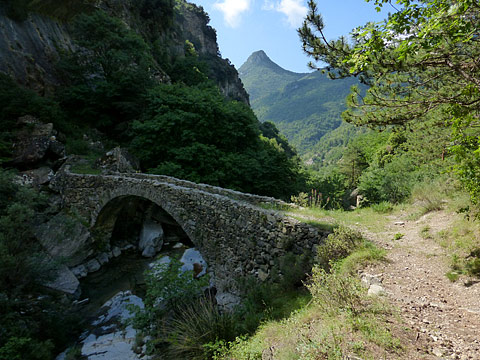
[80, 271]
[151, 239]
[65, 238]
[160, 265]
[112, 338]
[227, 301]
[103, 258]
[36, 177]
[92, 265]
[65, 281]
[118, 308]
[376, 290]
[117, 160]
[193, 260]
[35, 143]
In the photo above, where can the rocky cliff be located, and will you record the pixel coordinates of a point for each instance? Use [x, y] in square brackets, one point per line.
[31, 47]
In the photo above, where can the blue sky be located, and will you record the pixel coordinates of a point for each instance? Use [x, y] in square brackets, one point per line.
[245, 26]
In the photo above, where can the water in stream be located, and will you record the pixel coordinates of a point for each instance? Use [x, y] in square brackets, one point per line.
[124, 273]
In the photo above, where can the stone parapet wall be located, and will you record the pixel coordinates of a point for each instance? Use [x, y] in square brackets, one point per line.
[236, 195]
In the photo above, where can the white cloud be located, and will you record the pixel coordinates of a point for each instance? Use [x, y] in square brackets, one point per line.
[232, 10]
[268, 5]
[295, 10]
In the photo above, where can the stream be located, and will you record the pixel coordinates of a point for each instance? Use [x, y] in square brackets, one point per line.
[104, 304]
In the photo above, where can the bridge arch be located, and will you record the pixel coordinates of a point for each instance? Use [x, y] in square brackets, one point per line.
[121, 221]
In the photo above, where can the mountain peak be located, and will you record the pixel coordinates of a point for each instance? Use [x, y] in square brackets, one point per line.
[260, 60]
[259, 57]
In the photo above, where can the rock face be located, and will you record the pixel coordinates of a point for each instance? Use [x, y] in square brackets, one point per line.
[65, 238]
[30, 48]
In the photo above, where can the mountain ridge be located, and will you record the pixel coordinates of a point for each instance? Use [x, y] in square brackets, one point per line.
[304, 106]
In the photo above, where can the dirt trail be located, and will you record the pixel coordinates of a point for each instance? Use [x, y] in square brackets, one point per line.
[445, 315]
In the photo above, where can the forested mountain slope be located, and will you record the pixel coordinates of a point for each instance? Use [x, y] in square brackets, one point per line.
[146, 75]
[304, 106]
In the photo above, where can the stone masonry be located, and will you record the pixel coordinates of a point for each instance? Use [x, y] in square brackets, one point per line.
[236, 233]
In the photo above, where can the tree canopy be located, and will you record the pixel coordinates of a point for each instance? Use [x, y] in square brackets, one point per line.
[422, 59]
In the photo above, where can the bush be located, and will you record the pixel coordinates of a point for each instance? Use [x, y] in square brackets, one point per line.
[338, 246]
[334, 291]
[383, 207]
[393, 182]
[167, 290]
[429, 195]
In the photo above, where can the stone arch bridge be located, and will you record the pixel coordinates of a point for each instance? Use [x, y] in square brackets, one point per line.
[237, 233]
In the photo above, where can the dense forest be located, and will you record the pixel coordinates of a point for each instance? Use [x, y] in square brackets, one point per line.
[184, 128]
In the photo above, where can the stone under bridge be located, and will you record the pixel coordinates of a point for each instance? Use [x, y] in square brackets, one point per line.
[237, 234]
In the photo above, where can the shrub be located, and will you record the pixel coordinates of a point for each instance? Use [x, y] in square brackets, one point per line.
[472, 266]
[429, 196]
[383, 207]
[334, 291]
[392, 183]
[364, 254]
[337, 246]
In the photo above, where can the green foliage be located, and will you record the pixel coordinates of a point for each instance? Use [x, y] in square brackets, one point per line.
[195, 327]
[34, 323]
[22, 266]
[383, 207]
[167, 288]
[467, 151]
[472, 266]
[399, 60]
[15, 102]
[16, 9]
[398, 236]
[19, 10]
[393, 182]
[335, 292]
[365, 253]
[452, 275]
[189, 70]
[26, 348]
[109, 79]
[270, 131]
[158, 13]
[339, 319]
[269, 301]
[338, 245]
[352, 164]
[331, 187]
[304, 106]
[195, 133]
[427, 199]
